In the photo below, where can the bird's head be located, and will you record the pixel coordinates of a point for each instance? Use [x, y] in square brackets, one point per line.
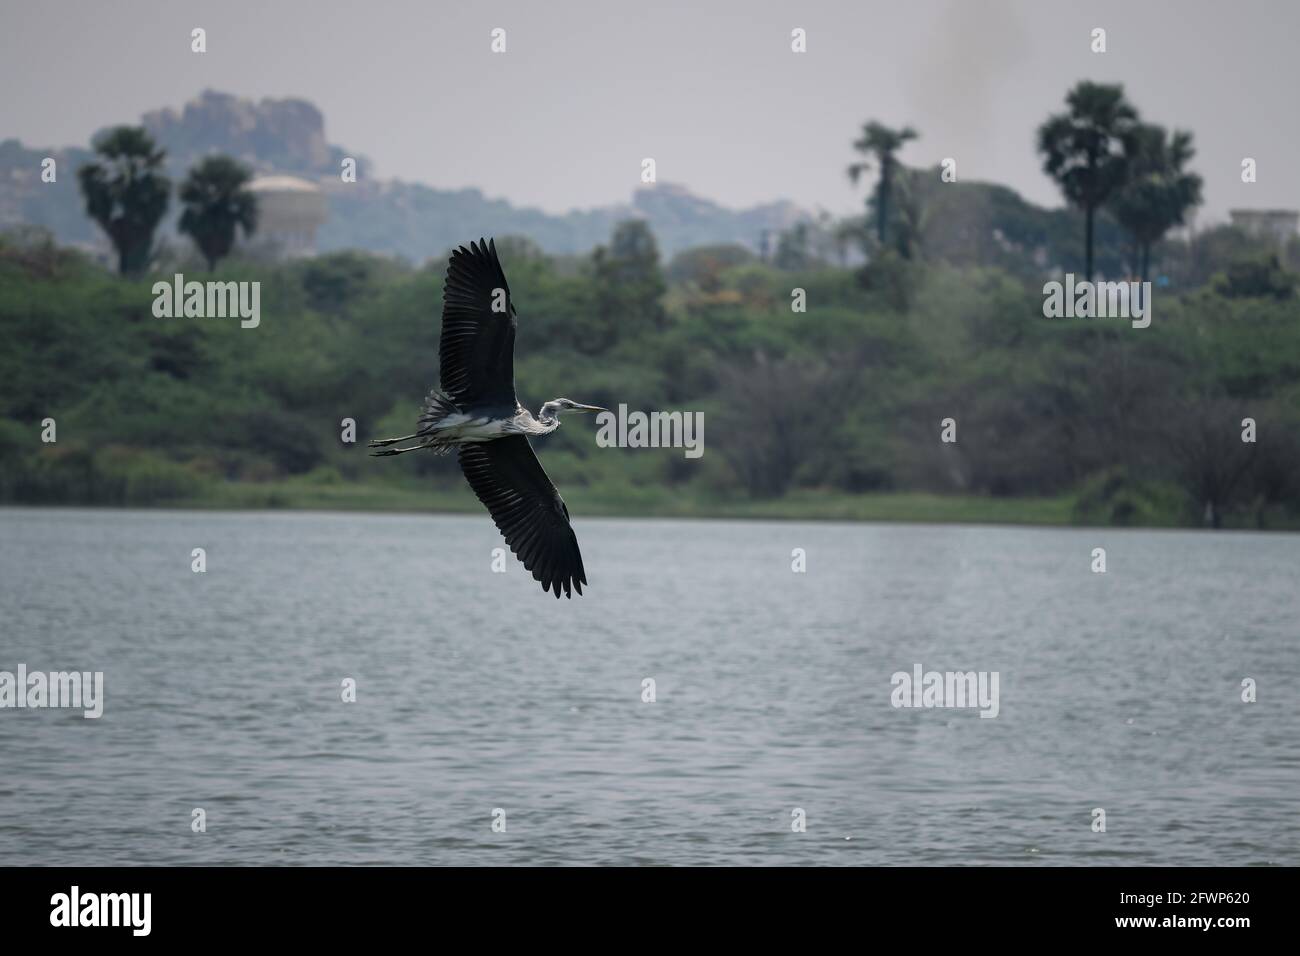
[553, 408]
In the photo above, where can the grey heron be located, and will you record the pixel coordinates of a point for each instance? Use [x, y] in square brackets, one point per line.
[476, 412]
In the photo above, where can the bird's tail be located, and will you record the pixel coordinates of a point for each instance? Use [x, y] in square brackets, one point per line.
[437, 407]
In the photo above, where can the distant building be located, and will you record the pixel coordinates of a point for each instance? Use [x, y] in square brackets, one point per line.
[1279, 226]
[289, 211]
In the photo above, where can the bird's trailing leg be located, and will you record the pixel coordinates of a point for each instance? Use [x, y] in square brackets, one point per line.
[384, 442]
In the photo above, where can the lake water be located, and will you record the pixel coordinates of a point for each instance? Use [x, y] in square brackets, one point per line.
[475, 691]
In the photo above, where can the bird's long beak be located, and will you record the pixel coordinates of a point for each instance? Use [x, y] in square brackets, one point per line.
[588, 408]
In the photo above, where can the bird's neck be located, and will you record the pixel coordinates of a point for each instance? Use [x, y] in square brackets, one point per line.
[547, 420]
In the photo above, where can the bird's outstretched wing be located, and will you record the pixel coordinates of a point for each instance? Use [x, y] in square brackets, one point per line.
[476, 353]
[509, 480]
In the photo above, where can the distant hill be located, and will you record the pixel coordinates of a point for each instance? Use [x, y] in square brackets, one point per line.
[24, 199]
[411, 220]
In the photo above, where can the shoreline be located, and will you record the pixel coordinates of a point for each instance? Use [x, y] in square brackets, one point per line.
[903, 508]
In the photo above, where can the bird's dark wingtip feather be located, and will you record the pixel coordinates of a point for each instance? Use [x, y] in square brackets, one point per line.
[527, 510]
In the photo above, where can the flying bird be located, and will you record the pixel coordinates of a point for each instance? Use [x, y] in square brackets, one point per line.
[476, 412]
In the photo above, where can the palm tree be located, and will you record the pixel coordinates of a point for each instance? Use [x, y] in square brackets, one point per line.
[1084, 149]
[911, 210]
[126, 193]
[216, 203]
[881, 144]
[1158, 192]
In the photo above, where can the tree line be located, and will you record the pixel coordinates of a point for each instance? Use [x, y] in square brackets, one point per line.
[840, 397]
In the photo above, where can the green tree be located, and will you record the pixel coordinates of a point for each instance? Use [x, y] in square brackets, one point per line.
[1158, 192]
[913, 191]
[793, 249]
[1253, 277]
[781, 395]
[1198, 259]
[1086, 150]
[880, 144]
[846, 234]
[126, 193]
[217, 201]
[628, 287]
[1210, 461]
[703, 266]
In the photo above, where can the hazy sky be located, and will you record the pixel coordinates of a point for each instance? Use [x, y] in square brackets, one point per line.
[708, 88]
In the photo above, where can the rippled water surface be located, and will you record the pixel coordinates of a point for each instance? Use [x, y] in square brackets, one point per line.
[475, 691]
